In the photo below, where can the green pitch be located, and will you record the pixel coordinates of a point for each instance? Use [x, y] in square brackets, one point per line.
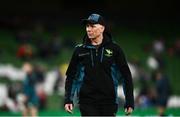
[137, 112]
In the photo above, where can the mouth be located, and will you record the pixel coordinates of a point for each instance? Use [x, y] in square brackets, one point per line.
[89, 34]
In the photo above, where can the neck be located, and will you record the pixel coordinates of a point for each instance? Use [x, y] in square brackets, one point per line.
[97, 41]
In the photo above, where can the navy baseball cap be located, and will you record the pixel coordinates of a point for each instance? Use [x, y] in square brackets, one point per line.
[94, 19]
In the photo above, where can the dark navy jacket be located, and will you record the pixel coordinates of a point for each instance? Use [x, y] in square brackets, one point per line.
[94, 74]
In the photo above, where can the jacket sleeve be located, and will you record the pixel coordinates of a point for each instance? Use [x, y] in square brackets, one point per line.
[71, 75]
[127, 78]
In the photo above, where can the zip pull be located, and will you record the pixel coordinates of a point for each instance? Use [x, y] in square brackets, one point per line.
[96, 51]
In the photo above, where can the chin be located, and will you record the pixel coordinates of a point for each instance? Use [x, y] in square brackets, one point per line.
[90, 37]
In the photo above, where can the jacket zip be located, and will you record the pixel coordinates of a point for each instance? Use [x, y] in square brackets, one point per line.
[102, 52]
[96, 51]
[92, 60]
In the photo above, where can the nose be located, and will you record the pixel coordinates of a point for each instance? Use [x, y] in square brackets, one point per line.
[88, 28]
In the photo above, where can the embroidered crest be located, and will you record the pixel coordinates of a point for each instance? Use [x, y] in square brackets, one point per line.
[108, 53]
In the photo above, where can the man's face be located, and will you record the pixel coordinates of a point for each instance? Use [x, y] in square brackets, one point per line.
[94, 30]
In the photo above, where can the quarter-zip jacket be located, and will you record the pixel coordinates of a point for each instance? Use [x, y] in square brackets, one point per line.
[94, 74]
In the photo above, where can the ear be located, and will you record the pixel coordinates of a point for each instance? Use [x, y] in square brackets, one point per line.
[102, 28]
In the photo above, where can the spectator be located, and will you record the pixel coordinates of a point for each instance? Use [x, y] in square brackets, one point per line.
[158, 46]
[163, 91]
[25, 51]
[31, 101]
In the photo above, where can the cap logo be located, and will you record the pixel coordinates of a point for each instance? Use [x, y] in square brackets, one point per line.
[94, 17]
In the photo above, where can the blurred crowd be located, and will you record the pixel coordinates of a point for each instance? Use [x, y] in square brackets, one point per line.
[33, 86]
[152, 85]
[33, 44]
[155, 88]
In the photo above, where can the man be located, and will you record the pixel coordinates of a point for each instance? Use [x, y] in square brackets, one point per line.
[163, 90]
[95, 71]
[31, 100]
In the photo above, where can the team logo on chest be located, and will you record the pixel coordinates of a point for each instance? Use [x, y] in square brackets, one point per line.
[108, 52]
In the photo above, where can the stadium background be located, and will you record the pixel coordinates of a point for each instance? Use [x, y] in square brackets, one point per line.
[135, 25]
